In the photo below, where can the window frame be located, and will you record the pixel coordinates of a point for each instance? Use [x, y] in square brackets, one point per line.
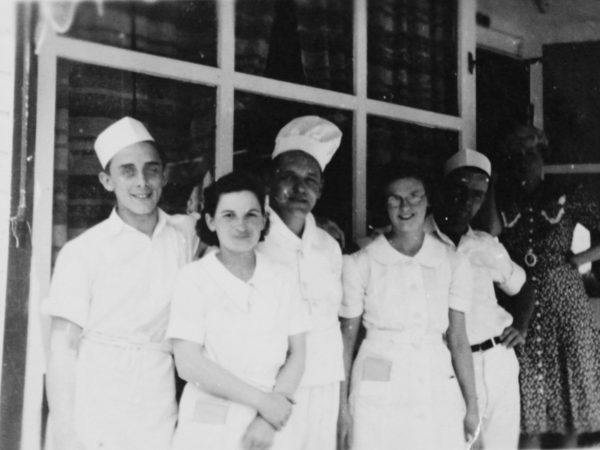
[227, 82]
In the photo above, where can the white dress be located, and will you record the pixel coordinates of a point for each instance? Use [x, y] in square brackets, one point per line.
[244, 327]
[404, 393]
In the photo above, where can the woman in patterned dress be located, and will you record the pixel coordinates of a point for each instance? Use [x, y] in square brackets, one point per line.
[560, 360]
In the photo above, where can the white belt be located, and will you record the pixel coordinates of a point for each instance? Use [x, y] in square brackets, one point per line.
[404, 337]
[126, 343]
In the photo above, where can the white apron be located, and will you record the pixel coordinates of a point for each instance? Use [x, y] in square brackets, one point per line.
[404, 394]
[125, 394]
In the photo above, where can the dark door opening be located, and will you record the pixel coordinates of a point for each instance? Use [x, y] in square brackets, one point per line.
[503, 101]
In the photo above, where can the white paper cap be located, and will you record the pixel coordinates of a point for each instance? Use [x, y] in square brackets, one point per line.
[468, 158]
[311, 134]
[121, 134]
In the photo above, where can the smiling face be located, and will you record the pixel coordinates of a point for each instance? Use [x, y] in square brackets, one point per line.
[463, 194]
[297, 183]
[406, 204]
[135, 174]
[238, 221]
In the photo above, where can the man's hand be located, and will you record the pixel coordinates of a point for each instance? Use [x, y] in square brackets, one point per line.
[259, 435]
[344, 429]
[512, 337]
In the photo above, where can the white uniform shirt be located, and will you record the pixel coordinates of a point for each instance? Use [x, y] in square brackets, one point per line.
[396, 292]
[316, 258]
[486, 319]
[243, 326]
[115, 281]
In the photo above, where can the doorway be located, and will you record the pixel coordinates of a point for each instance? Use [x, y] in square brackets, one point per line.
[503, 100]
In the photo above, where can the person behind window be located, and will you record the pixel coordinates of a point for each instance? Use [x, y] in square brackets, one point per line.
[110, 377]
[237, 324]
[303, 148]
[411, 290]
[491, 330]
[560, 360]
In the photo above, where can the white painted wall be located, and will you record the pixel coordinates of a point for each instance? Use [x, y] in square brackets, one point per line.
[7, 80]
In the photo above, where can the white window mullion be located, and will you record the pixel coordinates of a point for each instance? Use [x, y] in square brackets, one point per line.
[225, 89]
[132, 61]
[467, 40]
[41, 243]
[359, 144]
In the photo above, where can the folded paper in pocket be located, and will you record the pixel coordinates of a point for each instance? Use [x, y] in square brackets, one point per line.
[376, 369]
[212, 412]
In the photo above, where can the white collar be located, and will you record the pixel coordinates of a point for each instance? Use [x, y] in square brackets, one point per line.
[430, 254]
[281, 232]
[116, 224]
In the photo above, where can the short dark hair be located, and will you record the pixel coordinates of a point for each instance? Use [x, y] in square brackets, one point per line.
[232, 182]
[526, 136]
[402, 170]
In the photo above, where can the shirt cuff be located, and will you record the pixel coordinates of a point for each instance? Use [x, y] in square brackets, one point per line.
[350, 311]
[515, 281]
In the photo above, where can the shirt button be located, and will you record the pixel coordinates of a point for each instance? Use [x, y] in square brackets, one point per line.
[530, 209]
[538, 327]
[531, 219]
[539, 352]
[539, 364]
[538, 340]
[541, 391]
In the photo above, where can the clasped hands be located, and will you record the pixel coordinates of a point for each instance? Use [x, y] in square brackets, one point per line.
[274, 410]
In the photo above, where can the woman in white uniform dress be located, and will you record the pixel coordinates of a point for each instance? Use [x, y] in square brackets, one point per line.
[411, 291]
[237, 324]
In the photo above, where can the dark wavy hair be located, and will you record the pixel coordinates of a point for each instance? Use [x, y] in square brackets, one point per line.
[232, 182]
[526, 136]
[399, 171]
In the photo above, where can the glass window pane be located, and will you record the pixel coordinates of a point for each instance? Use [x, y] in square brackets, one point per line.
[392, 142]
[180, 116]
[257, 121]
[412, 53]
[307, 42]
[185, 30]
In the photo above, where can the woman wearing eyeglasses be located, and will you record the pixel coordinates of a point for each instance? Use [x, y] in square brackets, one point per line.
[410, 290]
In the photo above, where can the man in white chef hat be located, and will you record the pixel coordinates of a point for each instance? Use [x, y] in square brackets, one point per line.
[492, 331]
[110, 376]
[303, 148]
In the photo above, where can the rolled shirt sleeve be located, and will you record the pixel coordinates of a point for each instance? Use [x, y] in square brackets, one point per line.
[513, 281]
[70, 289]
[188, 309]
[355, 274]
[461, 284]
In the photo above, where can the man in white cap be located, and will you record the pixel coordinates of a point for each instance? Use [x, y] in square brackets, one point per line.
[302, 150]
[491, 330]
[110, 376]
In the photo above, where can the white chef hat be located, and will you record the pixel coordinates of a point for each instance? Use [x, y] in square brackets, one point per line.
[312, 134]
[122, 133]
[468, 158]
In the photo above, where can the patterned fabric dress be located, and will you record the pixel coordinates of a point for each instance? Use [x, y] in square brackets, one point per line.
[560, 361]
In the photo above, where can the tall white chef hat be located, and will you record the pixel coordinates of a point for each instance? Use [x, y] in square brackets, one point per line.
[122, 133]
[311, 134]
[468, 158]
